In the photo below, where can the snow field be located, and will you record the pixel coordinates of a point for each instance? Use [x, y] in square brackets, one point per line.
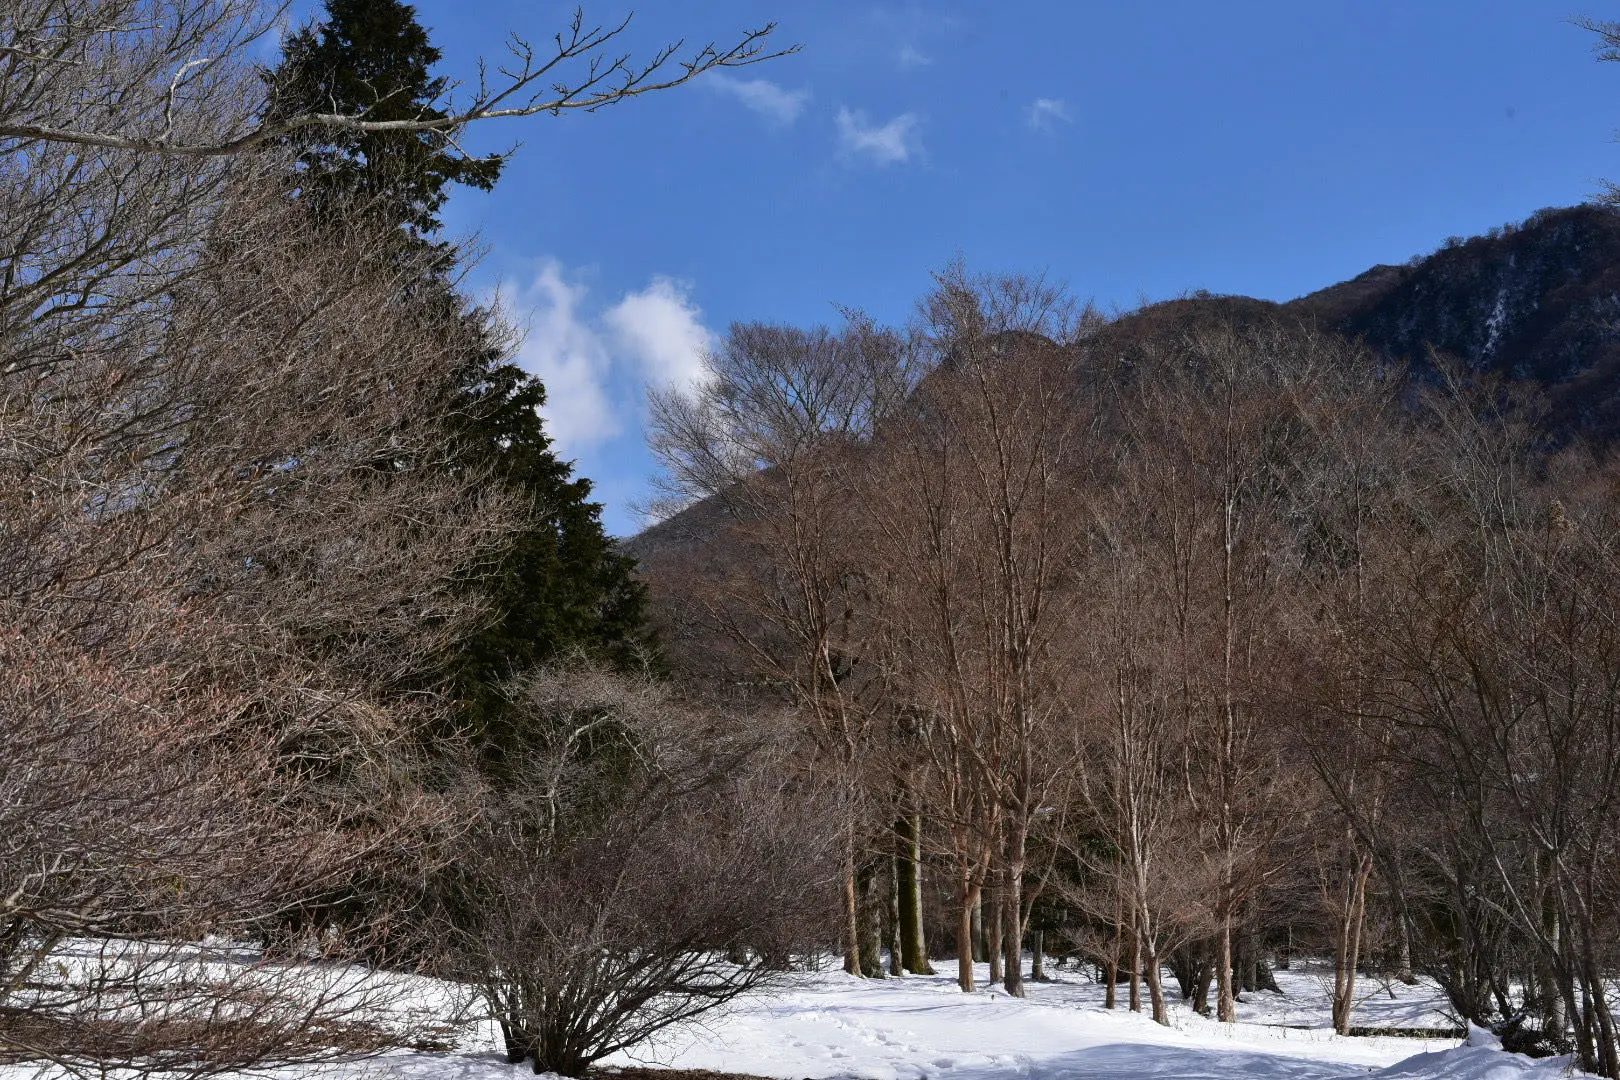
[923, 1028]
[828, 1026]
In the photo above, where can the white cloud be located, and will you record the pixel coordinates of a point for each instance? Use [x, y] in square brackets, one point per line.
[893, 143]
[569, 356]
[777, 105]
[913, 57]
[663, 331]
[595, 361]
[1046, 113]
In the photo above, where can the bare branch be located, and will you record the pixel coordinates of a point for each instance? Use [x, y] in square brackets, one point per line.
[603, 84]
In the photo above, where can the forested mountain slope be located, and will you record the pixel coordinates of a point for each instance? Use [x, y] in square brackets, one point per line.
[1539, 301]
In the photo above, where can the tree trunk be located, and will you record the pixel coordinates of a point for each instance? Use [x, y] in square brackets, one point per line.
[1185, 964]
[1403, 964]
[1584, 1046]
[1112, 966]
[892, 917]
[1155, 982]
[1037, 965]
[967, 904]
[1136, 967]
[980, 954]
[517, 1044]
[1225, 1000]
[1206, 975]
[913, 947]
[1347, 950]
[1012, 904]
[1553, 1021]
[871, 921]
[1608, 1058]
[993, 935]
[852, 908]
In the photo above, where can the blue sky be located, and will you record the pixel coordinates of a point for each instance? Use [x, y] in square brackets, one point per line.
[1134, 150]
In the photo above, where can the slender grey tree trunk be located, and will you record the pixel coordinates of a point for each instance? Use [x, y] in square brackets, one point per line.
[1225, 999]
[1555, 1022]
[1347, 953]
[1136, 966]
[980, 952]
[993, 934]
[892, 916]
[1012, 921]
[871, 921]
[1111, 994]
[852, 907]
[1155, 982]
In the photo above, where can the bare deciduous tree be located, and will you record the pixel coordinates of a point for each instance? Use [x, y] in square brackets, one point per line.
[772, 435]
[231, 552]
[974, 514]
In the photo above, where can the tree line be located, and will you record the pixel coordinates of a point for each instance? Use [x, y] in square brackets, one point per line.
[1181, 641]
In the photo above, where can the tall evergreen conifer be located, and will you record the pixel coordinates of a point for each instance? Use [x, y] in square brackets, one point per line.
[562, 588]
[373, 57]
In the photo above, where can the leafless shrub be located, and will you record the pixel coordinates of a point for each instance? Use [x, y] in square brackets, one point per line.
[141, 816]
[651, 868]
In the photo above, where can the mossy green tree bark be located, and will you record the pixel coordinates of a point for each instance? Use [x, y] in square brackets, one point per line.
[908, 869]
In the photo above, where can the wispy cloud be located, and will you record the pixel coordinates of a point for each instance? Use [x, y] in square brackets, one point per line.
[562, 347]
[893, 143]
[662, 330]
[1045, 114]
[911, 31]
[913, 57]
[764, 97]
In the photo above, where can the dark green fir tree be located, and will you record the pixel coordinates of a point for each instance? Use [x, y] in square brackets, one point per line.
[373, 57]
[562, 589]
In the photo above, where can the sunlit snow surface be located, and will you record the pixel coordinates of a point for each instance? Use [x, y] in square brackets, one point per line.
[924, 1028]
[828, 1026]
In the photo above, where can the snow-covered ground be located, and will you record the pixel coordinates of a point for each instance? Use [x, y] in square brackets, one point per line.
[827, 1025]
[1306, 1001]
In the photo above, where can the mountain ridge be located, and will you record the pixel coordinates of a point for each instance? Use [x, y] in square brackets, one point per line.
[1537, 301]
